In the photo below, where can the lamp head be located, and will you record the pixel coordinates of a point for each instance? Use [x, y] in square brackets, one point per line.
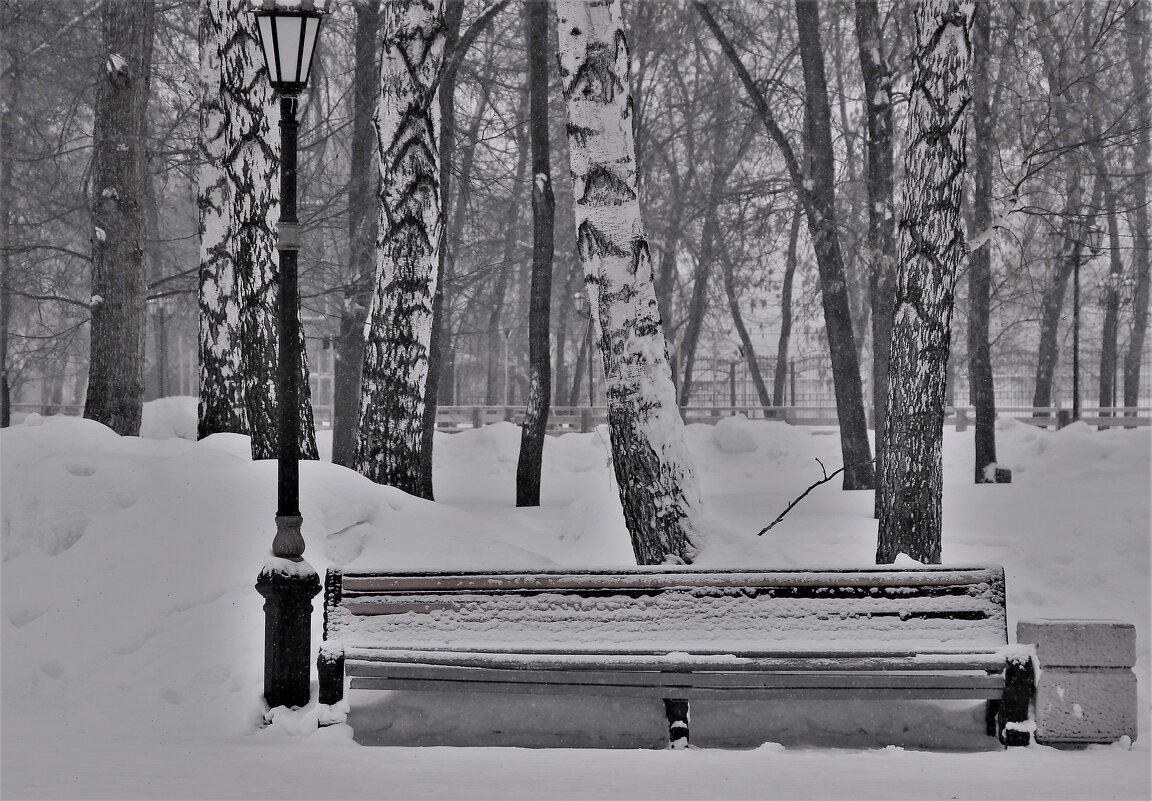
[289, 30]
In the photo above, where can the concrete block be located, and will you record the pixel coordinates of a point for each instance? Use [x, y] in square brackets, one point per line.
[1094, 706]
[1079, 643]
[1085, 691]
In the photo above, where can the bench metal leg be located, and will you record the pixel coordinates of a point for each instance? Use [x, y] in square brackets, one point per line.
[330, 674]
[991, 713]
[677, 711]
[1019, 688]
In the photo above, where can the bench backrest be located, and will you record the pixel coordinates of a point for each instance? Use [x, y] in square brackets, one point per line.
[878, 610]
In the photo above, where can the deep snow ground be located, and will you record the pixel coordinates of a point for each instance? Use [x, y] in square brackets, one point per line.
[132, 634]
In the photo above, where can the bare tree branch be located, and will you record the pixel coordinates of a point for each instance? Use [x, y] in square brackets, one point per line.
[824, 480]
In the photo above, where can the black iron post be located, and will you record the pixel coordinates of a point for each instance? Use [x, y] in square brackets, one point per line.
[287, 582]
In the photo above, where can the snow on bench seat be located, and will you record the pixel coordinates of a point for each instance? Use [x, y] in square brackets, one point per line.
[673, 633]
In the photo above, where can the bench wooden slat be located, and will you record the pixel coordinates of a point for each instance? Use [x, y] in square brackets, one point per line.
[363, 658]
[676, 678]
[685, 692]
[497, 581]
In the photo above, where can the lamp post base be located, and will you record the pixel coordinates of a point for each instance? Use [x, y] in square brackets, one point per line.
[288, 587]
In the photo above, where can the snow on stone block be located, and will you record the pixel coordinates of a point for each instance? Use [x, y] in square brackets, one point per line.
[1080, 643]
[734, 435]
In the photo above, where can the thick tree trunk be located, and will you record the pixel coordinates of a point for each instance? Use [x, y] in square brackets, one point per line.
[983, 395]
[388, 450]
[821, 212]
[228, 245]
[781, 370]
[119, 192]
[1139, 43]
[239, 207]
[658, 488]
[532, 435]
[932, 250]
[362, 228]
[881, 216]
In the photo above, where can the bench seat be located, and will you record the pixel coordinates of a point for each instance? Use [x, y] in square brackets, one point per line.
[679, 634]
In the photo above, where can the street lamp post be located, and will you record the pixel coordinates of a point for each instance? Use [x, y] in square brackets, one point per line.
[288, 35]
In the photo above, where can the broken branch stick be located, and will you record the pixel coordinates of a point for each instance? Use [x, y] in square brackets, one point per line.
[824, 480]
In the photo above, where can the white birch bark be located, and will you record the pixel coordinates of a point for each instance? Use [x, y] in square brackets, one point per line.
[238, 201]
[658, 487]
[236, 198]
[932, 249]
[399, 325]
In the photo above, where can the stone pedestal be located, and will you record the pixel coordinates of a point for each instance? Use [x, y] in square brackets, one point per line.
[288, 587]
[1085, 690]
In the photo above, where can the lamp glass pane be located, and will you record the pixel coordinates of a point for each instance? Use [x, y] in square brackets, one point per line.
[267, 45]
[288, 43]
[311, 26]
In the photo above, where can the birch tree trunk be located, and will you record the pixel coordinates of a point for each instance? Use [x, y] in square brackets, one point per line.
[1138, 44]
[932, 249]
[881, 215]
[983, 394]
[238, 180]
[658, 488]
[362, 224]
[119, 191]
[407, 249]
[227, 57]
[532, 434]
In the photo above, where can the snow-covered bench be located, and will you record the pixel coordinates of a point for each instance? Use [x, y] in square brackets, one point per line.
[682, 634]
